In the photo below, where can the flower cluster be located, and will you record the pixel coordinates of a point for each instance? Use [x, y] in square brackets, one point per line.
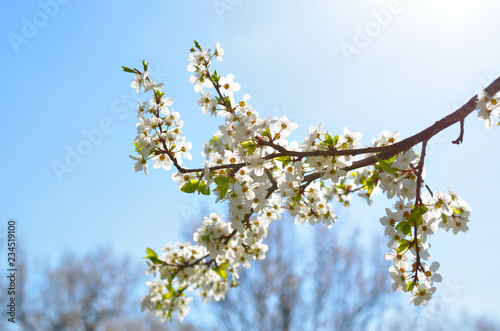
[203, 266]
[159, 129]
[251, 163]
[408, 228]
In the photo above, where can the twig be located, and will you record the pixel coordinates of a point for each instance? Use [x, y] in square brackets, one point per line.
[420, 169]
[460, 138]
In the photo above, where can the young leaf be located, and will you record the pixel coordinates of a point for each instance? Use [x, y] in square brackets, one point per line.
[222, 273]
[191, 186]
[222, 185]
[386, 166]
[403, 245]
[203, 188]
[249, 146]
[155, 260]
[221, 180]
[416, 215]
[145, 65]
[267, 132]
[335, 140]
[414, 218]
[410, 286]
[227, 102]
[404, 227]
[328, 140]
[284, 160]
[215, 78]
[153, 257]
[151, 252]
[126, 69]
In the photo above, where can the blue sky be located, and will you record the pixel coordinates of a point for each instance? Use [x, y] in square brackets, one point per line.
[413, 62]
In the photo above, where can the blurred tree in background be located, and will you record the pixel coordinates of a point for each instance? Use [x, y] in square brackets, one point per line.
[337, 283]
[332, 285]
[96, 292]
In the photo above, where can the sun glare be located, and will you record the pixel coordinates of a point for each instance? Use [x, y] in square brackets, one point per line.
[451, 11]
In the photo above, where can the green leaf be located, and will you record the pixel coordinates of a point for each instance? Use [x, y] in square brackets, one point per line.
[221, 180]
[168, 295]
[151, 252]
[227, 102]
[410, 286]
[222, 185]
[400, 225]
[386, 166]
[197, 45]
[267, 133]
[335, 140]
[159, 94]
[328, 140]
[222, 273]
[249, 146]
[285, 160]
[415, 217]
[215, 78]
[191, 186]
[126, 69]
[403, 245]
[145, 65]
[155, 260]
[224, 266]
[152, 256]
[404, 227]
[203, 188]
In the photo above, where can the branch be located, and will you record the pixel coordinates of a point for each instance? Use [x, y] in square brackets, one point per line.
[389, 151]
[384, 152]
[420, 169]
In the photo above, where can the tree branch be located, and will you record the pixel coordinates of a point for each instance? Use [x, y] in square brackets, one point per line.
[389, 151]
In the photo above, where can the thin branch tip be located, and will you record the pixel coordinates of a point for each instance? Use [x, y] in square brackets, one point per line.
[460, 138]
